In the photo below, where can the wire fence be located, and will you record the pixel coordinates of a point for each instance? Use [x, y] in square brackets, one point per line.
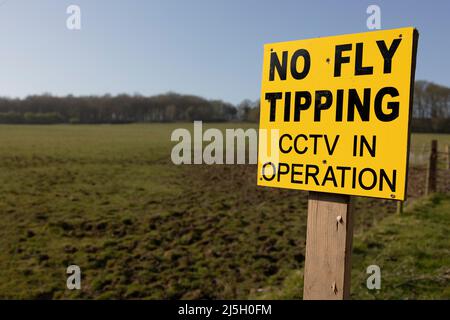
[429, 169]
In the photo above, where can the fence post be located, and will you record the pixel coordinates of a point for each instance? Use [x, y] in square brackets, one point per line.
[447, 154]
[431, 171]
[399, 207]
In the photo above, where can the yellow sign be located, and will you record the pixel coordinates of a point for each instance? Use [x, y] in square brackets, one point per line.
[335, 113]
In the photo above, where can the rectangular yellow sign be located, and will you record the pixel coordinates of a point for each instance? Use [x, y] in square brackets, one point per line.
[335, 113]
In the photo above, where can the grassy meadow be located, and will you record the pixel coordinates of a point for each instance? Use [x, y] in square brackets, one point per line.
[109, 199]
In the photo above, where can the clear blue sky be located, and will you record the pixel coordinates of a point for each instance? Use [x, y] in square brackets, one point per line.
[211, 48]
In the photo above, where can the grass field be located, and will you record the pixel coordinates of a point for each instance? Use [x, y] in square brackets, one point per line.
[412, 251]
[108, 198]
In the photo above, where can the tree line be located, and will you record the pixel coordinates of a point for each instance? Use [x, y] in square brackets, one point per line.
[431, 111]
[123, 108]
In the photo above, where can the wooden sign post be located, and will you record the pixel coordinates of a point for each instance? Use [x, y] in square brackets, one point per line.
[338, 110]
[328, 247]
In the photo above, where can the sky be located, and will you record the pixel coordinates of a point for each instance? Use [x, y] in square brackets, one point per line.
[211, 48]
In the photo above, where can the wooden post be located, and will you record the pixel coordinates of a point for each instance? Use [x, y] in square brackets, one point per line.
[432, 166]
[329, 238]
[447, 156]
[399, 207]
